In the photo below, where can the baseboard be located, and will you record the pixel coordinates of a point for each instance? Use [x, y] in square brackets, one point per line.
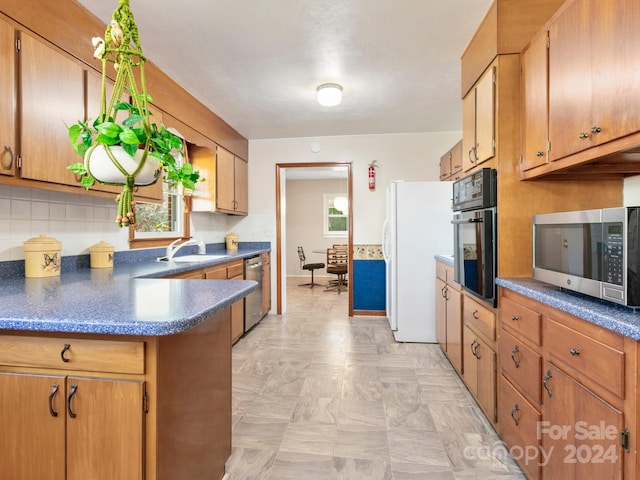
[370, 313]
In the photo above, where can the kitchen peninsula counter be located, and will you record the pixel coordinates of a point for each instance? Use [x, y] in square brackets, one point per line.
[117, 373]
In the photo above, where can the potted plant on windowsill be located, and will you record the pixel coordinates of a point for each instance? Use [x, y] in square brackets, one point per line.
[131, 151]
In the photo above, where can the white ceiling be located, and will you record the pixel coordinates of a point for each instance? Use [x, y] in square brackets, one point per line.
[257, 63]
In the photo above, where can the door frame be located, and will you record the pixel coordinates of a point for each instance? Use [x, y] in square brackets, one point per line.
[279, 178]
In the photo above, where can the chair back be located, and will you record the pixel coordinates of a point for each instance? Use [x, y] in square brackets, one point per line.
[301, 256]
[337, 260]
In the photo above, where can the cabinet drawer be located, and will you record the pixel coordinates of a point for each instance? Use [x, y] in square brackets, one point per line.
[522, 365]
[235, 270]
[519, 318]
[585, 356]
[72, 354]
[441, 271]
[519, 422]
[482, 318]
[216, 273]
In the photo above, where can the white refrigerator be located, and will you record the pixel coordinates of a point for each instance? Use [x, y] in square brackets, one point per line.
[417, 227]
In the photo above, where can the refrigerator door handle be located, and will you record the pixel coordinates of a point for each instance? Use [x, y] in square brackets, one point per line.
[385, 240]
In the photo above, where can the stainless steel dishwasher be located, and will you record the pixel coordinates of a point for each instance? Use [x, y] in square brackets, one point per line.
[253, 301]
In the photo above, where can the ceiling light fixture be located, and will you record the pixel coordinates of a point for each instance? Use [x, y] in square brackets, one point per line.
[329, 94]
[341, 203]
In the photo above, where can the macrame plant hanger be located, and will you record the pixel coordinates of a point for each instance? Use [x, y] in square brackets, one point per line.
[122, 49]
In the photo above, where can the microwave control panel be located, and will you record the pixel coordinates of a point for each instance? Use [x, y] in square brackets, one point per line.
[613, 254]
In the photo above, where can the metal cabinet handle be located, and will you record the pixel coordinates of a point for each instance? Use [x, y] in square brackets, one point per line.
[574, 351]
[545, 379]
[596, 130]
[443, 292]
[474, 345]
[583, 135]
[54, 390]
[539, 154]
[475, 314]
[74, 389]
[514, 411]
[7, 149]
[66, 347]
[514, 318]
[514, 352]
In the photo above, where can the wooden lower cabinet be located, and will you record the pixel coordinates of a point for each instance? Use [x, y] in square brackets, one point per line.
[448, 299]
[231, 271]
[480, 371]
[568, 388]
[65, 420]
[266, 282]
[580, 431]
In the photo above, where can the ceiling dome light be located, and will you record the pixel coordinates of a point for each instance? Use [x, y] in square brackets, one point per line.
[329, 94]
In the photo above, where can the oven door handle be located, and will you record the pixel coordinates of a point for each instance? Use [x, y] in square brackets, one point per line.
[471, 220]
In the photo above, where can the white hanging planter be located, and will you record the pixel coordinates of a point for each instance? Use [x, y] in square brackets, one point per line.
[100, 166]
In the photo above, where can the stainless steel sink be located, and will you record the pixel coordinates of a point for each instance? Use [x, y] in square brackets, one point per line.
[198, 258]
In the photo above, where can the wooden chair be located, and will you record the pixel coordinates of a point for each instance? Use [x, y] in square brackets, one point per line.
[312, 267]
[337, 264]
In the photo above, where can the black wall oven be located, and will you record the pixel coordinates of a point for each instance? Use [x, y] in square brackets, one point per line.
[474, 221]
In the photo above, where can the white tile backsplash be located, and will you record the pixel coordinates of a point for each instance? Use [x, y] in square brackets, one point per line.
[79, 221]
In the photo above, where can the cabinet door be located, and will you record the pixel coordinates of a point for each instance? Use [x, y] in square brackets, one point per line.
[441, 314]
[470, 366]
[580, 430]
[570, 80]
[225, 180]
[456, 160]
[105, 429]
[32, 415]
[486, 390]
[7, 99]
[616, 77]
[445, 166]
[454, 327]
[52, 96]
[266, 282]
[469, 130]
[485, 116]
[533, 126]
[241, 186]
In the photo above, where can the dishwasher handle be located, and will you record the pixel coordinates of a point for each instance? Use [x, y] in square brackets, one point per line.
[251, 266]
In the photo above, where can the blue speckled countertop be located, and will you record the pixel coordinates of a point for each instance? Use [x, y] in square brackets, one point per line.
[129, 299]
[605, 314]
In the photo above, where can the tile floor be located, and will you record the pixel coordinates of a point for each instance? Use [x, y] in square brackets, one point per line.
[319, 395]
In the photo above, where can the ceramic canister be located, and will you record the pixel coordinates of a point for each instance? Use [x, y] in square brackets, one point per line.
[101, 255]
[232, 242]
[42, 257]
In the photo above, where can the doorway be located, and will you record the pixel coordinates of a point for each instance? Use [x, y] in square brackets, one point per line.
[312, 170]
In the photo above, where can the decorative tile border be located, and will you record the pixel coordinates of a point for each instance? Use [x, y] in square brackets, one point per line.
[367, 252]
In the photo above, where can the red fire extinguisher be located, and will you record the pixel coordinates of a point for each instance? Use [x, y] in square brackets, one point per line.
[372, 175]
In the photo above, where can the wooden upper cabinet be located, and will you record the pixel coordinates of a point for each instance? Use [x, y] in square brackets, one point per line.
[451, 163]
[570, 81]
[594, 82]
[8, 145]
[533, 123]
[52, 96]
[478, 122]
[231, 182]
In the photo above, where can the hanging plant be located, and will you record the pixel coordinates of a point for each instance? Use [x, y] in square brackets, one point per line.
[132, 151]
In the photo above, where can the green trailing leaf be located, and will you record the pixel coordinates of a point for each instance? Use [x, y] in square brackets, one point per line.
[131, 120]
[109, 129]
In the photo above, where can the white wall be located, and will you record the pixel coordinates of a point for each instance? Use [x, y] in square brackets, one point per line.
[631, 192]
[305, 222]
[411, 156]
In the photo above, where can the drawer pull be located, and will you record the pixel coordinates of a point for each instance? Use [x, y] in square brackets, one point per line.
[545, 379]
[514, 411]
[574, 351]
[7, 149]
[514, 318]
[475, 314]
[67, 346]
[74, 389]
[514, 352]
[443, 292]
[54, 390]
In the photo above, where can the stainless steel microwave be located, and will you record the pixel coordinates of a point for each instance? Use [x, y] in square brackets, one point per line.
[594, 252]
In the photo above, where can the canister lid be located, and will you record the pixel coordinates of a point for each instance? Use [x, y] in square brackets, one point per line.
[101, 247]
[42, 243]
[231, 235]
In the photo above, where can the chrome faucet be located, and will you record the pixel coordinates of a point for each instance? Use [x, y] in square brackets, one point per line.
[172, 248]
